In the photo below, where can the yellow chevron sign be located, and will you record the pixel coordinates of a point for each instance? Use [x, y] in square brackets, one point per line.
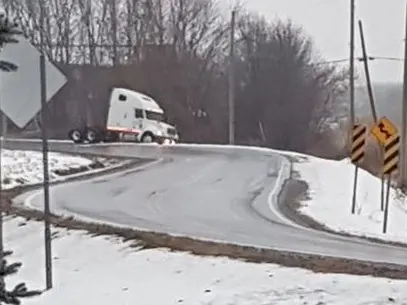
[384, 130]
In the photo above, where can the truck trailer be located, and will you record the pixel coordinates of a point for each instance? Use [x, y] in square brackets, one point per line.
[131, 116]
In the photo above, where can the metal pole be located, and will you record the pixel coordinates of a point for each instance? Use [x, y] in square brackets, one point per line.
[3, 141]
[352, 62]
[1, 197]
[232, 80]
[402, 165]
[367, 73]
[47, 216]
[4, 126]
[386, 207]
[382, 198]
[352, 91]
[371, 97]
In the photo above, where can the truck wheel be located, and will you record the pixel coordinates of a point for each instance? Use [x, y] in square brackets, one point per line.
[76, 136]
[92, 135]
[147, 138]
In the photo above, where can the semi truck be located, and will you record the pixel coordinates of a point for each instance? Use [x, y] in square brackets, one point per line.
[131, 116]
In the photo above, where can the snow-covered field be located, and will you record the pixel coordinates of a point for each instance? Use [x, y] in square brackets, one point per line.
[25, 167]
[105, 271]
[330, 192]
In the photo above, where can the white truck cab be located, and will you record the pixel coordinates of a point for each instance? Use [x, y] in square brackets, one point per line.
[131, 115]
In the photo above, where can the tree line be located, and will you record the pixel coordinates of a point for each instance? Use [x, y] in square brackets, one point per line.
[178, 53]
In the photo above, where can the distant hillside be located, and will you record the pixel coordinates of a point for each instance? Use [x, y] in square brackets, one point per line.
[387, 99]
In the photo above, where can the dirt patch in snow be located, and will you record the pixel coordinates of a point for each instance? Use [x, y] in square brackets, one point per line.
[297, 191]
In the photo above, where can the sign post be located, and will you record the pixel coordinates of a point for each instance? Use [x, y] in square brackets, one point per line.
[388, 137]
[23, 94]
[358, 145]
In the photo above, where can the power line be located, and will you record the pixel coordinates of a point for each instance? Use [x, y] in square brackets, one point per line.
[127, 45]
[361, 59]
[86, 45]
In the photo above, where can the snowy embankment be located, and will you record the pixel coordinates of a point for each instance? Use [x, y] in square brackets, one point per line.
[21, 168]
[105, 270]
[330, 200]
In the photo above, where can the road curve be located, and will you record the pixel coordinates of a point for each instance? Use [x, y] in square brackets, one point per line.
[209, 192]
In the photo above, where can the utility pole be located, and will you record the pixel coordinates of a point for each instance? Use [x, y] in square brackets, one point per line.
[231, 94]
[352, 91]
[1, 199]
[45, 149]
[367, 73]
[403, 172]
[3, 141]
[371, 98]
[352, 62]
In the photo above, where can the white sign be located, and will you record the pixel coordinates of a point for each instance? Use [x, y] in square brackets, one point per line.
[20, 91]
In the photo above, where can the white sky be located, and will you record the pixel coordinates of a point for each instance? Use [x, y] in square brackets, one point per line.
[327, 21]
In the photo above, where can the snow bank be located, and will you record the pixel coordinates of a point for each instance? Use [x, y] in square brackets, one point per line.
[330, 191]
[25, 167]
[105, 271]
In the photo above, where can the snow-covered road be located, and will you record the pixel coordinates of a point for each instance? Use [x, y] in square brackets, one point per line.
[204, 191]
[106, 270]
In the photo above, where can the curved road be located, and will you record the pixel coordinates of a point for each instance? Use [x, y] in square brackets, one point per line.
[201, 191]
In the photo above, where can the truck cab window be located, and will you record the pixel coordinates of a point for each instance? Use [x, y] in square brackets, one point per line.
[138, 113]
[154, 116]
[122, 98]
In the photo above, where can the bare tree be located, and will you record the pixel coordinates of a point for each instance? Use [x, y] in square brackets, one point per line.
[283, 85]
[9, 33]
[179, 50]
[58, 29]
[198, 33]
[175, 50]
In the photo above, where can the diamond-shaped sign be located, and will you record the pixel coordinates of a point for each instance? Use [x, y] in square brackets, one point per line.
[20, 91]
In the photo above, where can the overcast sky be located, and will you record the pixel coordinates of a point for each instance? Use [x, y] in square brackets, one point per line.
[327, 21]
